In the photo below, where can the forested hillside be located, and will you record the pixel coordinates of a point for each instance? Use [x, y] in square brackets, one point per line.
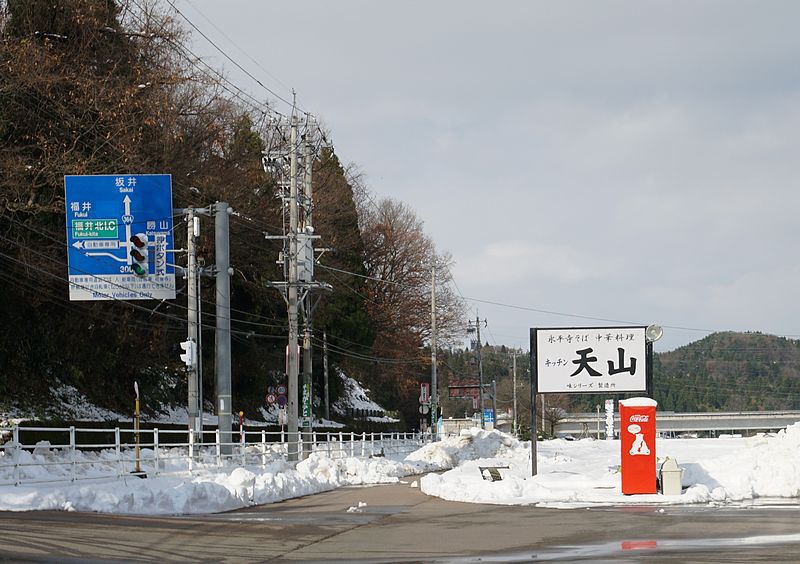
[730, 372]
[725, 371]
[98, 87]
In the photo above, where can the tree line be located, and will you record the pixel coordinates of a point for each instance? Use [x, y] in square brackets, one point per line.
[98, 87]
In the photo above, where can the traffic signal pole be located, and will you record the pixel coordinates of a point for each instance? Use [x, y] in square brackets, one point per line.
[191, 289]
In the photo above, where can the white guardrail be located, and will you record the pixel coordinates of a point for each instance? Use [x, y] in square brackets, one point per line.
[78, 458]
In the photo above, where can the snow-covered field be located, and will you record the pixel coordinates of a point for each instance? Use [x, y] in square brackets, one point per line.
[586, 473]
[571, 474]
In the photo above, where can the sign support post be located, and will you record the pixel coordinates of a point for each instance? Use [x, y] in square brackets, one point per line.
[534, 386]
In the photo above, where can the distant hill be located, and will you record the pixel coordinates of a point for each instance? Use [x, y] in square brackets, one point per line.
[730, 372]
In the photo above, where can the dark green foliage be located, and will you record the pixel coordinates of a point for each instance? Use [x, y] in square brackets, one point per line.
[723, 372]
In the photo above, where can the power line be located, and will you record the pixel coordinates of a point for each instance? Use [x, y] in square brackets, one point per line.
[232, 42]
[224, 54]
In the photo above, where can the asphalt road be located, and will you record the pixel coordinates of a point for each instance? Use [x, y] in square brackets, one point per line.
[397, 523]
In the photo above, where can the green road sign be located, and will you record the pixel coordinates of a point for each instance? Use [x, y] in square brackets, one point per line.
[95, 228]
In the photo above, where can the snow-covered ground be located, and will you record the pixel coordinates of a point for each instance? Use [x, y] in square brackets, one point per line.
[570, 474]
[586, 472]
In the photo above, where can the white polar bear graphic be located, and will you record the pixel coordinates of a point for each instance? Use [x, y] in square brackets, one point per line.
[639, 447]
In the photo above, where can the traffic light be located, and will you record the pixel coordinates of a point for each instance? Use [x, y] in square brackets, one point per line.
[138, 252]
[189, 358]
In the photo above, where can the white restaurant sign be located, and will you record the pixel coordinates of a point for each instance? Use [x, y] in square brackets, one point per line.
[590, 359]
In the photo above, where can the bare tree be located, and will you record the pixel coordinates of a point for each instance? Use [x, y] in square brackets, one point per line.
[399, 256]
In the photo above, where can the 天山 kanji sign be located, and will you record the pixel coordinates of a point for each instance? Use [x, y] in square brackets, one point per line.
[590, 359]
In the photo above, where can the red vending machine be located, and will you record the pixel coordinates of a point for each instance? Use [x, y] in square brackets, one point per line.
[637, 433]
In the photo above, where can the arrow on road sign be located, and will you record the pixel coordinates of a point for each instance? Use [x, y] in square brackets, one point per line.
[95, 244]
[127, 201]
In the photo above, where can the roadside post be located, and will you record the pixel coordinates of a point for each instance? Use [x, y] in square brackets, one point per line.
[609, 404]
[138, 471]
[637, 437]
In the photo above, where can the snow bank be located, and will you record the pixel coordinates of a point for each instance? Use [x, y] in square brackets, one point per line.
[570, 474]
[207, 490]
[585, 473]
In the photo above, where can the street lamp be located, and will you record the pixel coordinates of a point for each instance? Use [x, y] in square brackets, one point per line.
[652, 334]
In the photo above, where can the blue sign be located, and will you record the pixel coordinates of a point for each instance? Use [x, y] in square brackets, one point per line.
[488, 416]
[119, 235]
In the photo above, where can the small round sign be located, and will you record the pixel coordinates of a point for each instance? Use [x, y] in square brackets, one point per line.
[423, 409]
[271, 389]
[271, 398]
[281, 390]
[282, 401]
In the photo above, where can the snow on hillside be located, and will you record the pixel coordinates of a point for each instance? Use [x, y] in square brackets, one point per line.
[71, 405]
[355, 396]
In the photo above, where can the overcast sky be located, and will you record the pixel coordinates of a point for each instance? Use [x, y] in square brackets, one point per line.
[631, 161]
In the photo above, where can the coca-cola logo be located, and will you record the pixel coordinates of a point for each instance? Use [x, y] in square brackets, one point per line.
[638, 418]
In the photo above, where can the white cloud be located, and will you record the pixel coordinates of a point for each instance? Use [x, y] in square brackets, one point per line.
[509, 262]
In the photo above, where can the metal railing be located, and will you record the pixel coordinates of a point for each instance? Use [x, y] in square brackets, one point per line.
[97, 454]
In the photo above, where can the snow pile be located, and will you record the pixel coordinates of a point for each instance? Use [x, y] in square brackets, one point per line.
[206, 489]
[585, 473]
[470, 444]
[766, 467]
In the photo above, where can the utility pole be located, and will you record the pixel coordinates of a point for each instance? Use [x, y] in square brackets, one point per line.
[308, 230]
[223, 331]
[494, 404]
[291, 292]
[514, 394]
[298, 260]
[325, 373]
[480, 369]
[434, 381]
[192, 293]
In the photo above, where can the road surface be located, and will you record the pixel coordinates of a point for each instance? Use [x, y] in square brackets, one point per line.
[397, 523]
